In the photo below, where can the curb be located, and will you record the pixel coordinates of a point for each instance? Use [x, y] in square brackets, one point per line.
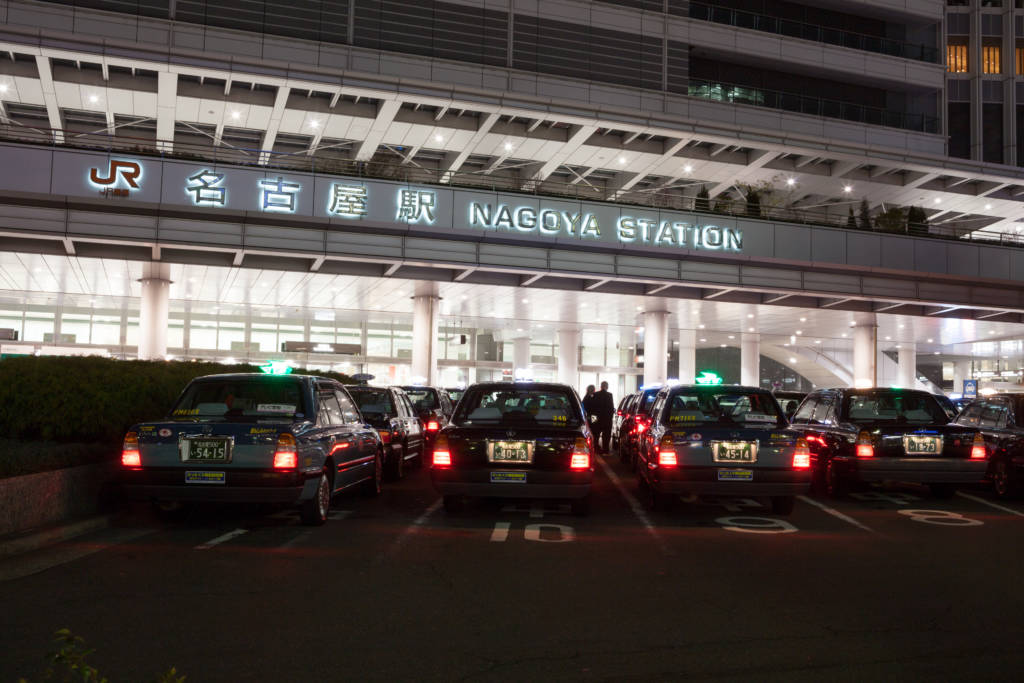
[28, 542]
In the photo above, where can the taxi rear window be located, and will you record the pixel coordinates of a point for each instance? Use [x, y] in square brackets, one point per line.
[723, 407]
[239, 400]
[893, 406]
[518, 407]
[422, 399]
[373, 402]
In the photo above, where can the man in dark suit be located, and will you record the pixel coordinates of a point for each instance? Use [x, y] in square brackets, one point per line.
[603, 408]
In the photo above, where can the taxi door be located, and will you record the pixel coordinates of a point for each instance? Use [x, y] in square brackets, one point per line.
[336, 441]
[364, 437]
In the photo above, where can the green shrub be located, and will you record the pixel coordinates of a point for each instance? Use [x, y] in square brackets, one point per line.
[93, 400]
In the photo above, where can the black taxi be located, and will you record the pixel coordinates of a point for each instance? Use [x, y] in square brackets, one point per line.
[1000, 418]
[391, 413]
[724, 441]
[515, 440]
[888, 434]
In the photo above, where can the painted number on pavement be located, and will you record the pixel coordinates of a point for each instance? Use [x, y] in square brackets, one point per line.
[940, 517]
[756, 525]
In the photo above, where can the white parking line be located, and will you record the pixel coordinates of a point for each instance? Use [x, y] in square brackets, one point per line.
[221, 539]
[997, 506]
[836, 513]
[638, 509]
[411, 530]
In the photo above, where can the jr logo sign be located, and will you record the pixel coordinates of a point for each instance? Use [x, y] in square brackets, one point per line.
[128, 170]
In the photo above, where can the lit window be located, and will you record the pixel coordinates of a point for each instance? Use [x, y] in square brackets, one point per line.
[956, 55]
[1019, 59]
[991, 56]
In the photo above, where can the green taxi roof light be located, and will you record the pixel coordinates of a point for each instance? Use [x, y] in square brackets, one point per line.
[706, 377]
[276, 367]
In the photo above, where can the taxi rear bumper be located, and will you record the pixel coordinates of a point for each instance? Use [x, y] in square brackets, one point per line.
[249, 486]
[917, 470]
[537, 484]
[705, 481]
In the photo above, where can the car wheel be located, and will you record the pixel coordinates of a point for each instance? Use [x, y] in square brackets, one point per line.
[452, 504]
[314, 511]
[942, 490]
[783, 505]
[372, 486]
[1004, 483]
[396, 464]
[836, 484]
[580, 506]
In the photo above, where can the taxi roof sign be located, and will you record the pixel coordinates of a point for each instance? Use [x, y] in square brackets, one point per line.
[276, 367]
[706, 377]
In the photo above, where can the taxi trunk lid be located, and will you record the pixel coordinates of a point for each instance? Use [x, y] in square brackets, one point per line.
[731, 446]
[488, 448]
[931, 441]
[232, 445]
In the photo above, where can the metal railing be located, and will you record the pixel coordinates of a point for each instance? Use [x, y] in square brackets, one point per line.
[670, 197]
[733, 93]
[814, 32]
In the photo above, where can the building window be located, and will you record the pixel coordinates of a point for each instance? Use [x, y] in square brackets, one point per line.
[956, 56]
[1019, 59]
[990, 59]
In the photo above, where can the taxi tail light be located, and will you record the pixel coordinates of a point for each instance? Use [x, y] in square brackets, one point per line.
[811, 438]
[432, 424]
[385, 435]
[130, 456]
[442, 456]
[286, 456]
[978, 451]
[580, 455]
[667, 452]
[641, 425]
[865, 449]
[802, 455]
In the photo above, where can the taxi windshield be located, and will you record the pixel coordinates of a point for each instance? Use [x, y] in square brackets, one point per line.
[518, 407]
[267, 399]
[893, 406]
[722, 407]
[373, 403]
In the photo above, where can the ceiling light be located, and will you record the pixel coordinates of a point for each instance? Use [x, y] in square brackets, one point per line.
[817, 341]
[938, 200]
[525, 301]
[639, 308]
[935, 353]
[519, 329]
[622, 160]
[703, 340]
[700, 326]
[844, 334]
[847, 189]
[792, 360]
[236, 115]
[3, 87]
[803, 320]
[888, 339]
[750, 315]
[688, 168]
[94, 98]
[438, 138]
[732, 336]
[314, 124]
[722, 345]
[988, 207]
[929, 341]
[508, 146]
[790, 182]
[750, 329]
[799, 331]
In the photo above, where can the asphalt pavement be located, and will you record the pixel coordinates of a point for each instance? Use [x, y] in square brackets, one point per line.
[889, 584]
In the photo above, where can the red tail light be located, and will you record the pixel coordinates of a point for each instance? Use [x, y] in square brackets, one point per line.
[641, 425]
[978, 451]
[385, 435]
[865, 449]
[580, 455]
[442, 456]
[286, 456]
[815, 439]
[802, 455]
[667, 452]
[130, 456]
[433, 426]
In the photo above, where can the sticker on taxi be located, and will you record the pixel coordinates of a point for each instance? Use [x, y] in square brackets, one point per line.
[508, 477]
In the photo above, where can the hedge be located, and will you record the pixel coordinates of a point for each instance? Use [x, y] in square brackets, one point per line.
[94, 400]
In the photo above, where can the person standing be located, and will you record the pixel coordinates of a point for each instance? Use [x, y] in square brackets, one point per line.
[588, 406]
[603, 407]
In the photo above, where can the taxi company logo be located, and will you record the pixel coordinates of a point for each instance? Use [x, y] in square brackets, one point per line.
[129, 170]
[262, 430]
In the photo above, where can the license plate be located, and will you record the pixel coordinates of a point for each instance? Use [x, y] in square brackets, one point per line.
[205, 450]
[203, 477]
[922, 445]
[510, 451]
[735, 475]
[734, 451]
[508, 477]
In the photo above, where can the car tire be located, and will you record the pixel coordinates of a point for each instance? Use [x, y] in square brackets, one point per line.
[580, 506]
[1004, 482]
[396, 464]
[783, 505]
[452, 504]
[372, 486]
[836, 485]
[314, 511]
[942, 491]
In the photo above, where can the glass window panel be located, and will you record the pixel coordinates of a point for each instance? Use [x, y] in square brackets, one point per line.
[957, 58]
[231, 336]
[991, 59]
[593, 342]
[378, 342]
[37, 325]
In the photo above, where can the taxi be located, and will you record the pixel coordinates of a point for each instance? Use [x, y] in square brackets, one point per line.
[390, 412]
[254, 438]
[724, 441]
[888, 434]
[515, 440]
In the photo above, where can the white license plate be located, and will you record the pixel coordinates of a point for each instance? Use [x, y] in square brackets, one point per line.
[510, 451]
[734, 451]
[922, 445]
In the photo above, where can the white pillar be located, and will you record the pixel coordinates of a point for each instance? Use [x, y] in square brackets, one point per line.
[687, 356]
[750, 359]
[569, 357]
[153, 310]
[961, 371]
[655, 347]
[425, 306]
[521, 358]
[906, 373]
[864, 354]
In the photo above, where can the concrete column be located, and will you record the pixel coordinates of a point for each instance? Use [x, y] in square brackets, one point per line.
[906, 373]
[521, 358]
[865, 336]
[750, 359]
[687, 356]
[425, 306]
[569, 357]
[961, 371]
[153, 310]
[655, 347]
